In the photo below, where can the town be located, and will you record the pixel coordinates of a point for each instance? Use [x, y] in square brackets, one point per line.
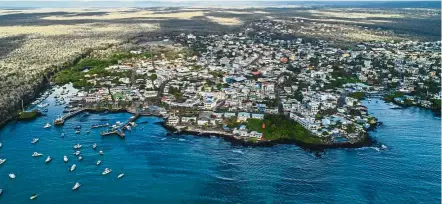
[257, 86]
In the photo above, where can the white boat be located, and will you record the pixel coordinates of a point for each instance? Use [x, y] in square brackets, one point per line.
[94, 146]
[80, 158]
[101, 152]
[107, 171]
[42, 105]
[77, 146]
[98, 162]
[128, 127]
[33, 196]
[118, 123]
[12, 175]
[36, 154]
[47, 125]
[77, 131]
[120, 175]
[73, 167]
[76, 186]
[76, 153]
[383, 147]
[65, 159]
[2, 161]
[1, 144]
[35, 140]
[49, 159]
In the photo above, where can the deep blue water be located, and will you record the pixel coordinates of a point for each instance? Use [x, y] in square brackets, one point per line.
[161, 169]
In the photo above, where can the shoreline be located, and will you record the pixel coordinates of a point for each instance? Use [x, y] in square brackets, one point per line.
[367, 141]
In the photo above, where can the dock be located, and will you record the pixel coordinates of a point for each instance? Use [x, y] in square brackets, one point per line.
[114, 132]
[60, 120]
[131, 119]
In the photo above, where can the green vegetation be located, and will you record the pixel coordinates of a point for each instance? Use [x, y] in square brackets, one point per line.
[357, 95]
[94, 66]
[390, 97]
[28, 115]
[282, 127]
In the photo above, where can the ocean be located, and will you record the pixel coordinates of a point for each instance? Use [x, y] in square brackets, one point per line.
[192, 169]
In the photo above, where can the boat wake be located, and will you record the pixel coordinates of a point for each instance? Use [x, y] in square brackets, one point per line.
[224, 178]
[238, 151]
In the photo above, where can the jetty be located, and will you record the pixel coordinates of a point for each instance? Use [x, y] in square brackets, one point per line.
[131, 119]
[60, 120]
[113, 132]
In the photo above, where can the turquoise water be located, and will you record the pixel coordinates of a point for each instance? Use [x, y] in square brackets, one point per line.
[190, 169]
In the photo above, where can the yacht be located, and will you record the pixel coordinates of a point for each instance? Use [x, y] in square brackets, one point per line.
[101, 152]
[107, 171]
[2, 161]
[76, 186]
[94, 146]
[65, 159]
[47, 125]
[73, 167]
[36, 154]
[77, 146]
[98, 162]
[77, 131]
[49, 159]
[120, 175]
[80, 158]
[35, 140]
[12, 175]
[76, 153]
[34, 196]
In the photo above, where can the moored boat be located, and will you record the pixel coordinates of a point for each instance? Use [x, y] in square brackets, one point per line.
[2, 161]
[107, 171]
[12, 175]
[98, 162]
[47, 125]
[65, 159]
[49, 159]
[101, 152]
[77, 146]
[34, 196]
[80, 158]
[36, 154]
[76, 186]
[73, 167]
[35, 140]
[120, 175]
[76, 153]
[94, 146]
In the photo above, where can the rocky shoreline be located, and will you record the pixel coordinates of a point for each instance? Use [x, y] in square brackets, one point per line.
[365, 142]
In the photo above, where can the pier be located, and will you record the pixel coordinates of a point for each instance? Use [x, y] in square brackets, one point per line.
[131, 119]
[113, 132]
[60, 120]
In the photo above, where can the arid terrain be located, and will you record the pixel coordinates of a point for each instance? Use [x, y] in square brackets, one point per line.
[37, 42]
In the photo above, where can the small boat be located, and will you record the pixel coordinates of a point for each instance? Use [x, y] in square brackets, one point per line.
[1, 191]
[65, 159]
[101, 152]
[107, 171]
[80, 158]
[34, 196]
[118, 123]
[1, 145]
[77, 146]
[12, 175]
[36, 154]
[72, 167]
[128, 127]
[47, 125]
[49, 159]
[87, 132]
[383, 147]
[76, 186]
[35, 140]
[94, 146]
[77, 131]
[120, 175]
[98, 162]
[77, 127]
[76, 153]
[2, 161]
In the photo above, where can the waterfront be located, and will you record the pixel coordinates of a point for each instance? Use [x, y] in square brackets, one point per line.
[195, 169]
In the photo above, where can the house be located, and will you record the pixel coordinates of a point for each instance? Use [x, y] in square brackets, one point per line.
[229, 115]
[173, 120]
[258, 116]
[243, 116]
